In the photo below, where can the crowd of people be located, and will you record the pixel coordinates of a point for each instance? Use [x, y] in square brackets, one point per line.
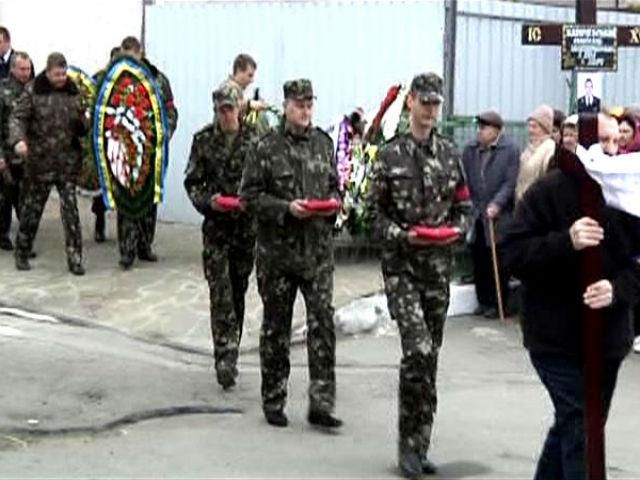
[272, 200]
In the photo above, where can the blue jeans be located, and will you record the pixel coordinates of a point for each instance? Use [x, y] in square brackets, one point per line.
[563, 454]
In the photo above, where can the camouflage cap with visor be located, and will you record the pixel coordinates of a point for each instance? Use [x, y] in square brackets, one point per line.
[226, 95]
[427, 87]
[300, 89]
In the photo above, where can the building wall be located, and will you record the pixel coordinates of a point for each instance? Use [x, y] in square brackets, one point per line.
[84, 30]
[493, 69]
[353, 50]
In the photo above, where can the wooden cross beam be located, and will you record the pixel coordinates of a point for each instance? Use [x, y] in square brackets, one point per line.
[590, 203]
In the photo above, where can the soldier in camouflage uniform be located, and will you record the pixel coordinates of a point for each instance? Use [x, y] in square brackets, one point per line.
[294, 252]
[417, 180]
[45, 127]
[218, 155]
[11, 168]
[135, 236]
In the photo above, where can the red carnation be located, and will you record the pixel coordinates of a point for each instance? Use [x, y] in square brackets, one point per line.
[115, 100]
[130, 101]
[139, 113]
[126, 82]
[141, 90]
[146, 104]
[109, 123]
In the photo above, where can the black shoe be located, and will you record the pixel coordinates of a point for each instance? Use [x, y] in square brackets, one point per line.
[491, 313]
[479, 311]
[76, 269]
[32, 254]
[22, 264]
[323, 419]
[148, 256]
[226, 378]
[5, 244]
[126, 263]
[277, 418]
[428, 467]
[410, 464]
[99, 236]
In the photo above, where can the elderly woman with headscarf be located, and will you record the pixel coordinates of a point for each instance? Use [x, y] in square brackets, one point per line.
[536, 158]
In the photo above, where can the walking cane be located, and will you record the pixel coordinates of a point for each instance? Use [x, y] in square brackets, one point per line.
[496, 271]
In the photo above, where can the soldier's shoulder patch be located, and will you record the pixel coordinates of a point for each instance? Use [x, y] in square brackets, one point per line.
[322, 134]
[270, 137]
[204, 131]
[444, 139]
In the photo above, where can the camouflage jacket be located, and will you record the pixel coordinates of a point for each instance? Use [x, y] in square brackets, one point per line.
[415, 184]
[286, 167]
[167, 96]
[216, 168]
[10, 90]
[50, 122]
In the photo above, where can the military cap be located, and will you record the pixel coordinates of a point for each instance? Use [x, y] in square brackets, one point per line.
[491, 118]
[427, 87]
[300, 89]
[226, 95]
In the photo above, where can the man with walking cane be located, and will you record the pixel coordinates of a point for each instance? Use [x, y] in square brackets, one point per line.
[491, 165]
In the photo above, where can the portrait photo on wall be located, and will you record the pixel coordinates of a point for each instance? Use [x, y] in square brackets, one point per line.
[589, 92]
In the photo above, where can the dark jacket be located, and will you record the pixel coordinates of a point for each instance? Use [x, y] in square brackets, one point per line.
[50, 121]
[584, 108]
[5, 67]
[491, 181]
[538, 250]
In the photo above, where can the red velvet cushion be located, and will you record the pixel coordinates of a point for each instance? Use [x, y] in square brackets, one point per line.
[328, 205]
[229, 202]
[437, 234]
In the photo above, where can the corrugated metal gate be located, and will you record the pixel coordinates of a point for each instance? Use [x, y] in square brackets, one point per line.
[352, 49]
[493, 70]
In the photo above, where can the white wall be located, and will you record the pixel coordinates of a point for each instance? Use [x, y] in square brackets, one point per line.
[353, 50]
[83, 30]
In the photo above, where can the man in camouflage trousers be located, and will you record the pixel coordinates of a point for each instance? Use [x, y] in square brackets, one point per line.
[218, 155]
[135, 236]
[294, 252]
[417, 180]
[11, 167]
[45, 128]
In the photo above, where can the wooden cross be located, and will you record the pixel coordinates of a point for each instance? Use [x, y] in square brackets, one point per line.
[591, 262]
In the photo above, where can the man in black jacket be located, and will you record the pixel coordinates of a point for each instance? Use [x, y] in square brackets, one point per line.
[6, 52]
[542, 247]
[491, 166]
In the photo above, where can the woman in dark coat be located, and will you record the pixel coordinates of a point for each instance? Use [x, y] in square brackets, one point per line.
[542, 248]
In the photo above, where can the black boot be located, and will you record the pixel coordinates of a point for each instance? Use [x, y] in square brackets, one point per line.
[22, 263]
[277, 418]
[323, 419]
[126, 262]
[226, 378]
[5, 244]
[428, 467]
[100, 235]
[410, 464]
[147, 255]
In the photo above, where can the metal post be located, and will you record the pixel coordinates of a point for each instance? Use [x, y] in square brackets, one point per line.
[450, 24]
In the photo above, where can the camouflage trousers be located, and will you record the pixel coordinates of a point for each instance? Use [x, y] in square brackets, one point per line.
[10, 187]
[136, 236]
[227, 267]
[36, 193]
[278, 291]
[419, 306]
